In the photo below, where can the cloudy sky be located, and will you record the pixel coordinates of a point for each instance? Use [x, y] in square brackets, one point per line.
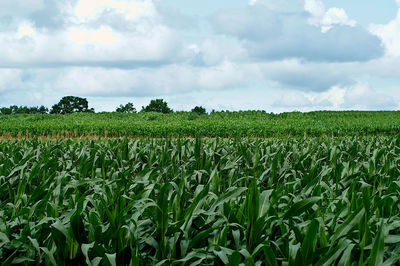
[275, 55]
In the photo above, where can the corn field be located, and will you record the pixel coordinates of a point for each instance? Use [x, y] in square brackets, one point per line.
[185, 124]
[319, 201]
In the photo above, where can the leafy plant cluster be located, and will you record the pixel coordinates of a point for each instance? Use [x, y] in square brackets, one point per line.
[200, 202]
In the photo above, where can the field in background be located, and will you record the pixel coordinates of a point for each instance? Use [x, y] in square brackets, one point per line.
[185, 124]
[210, 202]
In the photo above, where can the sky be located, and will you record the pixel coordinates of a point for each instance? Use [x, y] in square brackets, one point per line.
[272, 55]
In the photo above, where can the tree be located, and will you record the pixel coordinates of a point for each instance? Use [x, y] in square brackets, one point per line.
[43, 110]
[13, 109]
[199, 110]
[71, 104]
[5, 111]
[157, 105]
[127, 108]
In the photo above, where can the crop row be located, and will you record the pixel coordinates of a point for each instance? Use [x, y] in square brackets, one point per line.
[191, 202]
[183, 124]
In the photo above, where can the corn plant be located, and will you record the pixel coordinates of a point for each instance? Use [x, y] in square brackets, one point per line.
[312, 201]
[184, 124]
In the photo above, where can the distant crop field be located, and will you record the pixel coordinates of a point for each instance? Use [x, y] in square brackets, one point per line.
[322, 201]
[186, 124]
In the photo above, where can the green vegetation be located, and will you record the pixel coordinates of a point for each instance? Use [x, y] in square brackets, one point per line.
[222, 124]
[71, 104]
[13, 109]
[199, 110]
[304, 191]
[127, 108]
[322, 201]
[157, 106]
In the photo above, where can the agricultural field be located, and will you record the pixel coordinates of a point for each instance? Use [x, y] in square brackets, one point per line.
[186, 124]
[287, 201]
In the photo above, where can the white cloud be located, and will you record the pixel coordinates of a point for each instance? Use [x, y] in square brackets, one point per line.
[9, 79]
[273, 35]
[225, 86]
[292, 99]
[91, 43]
[86, 10]
[389, 34]
[280, 5]
[336, 16]
[335, 96]
[294, 74]
[315, 7]
[363, 97]
[327, 19]
[358, 96]
[26, 29]
[214, 51]
[102, 36]
[171, 79]
[256, 23]
[131, 48]
[80, 45]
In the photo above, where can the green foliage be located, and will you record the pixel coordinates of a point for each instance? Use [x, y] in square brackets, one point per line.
[193, 116]
[127, 108]
[217, 124]
[315, 201]
[71, 104]
[23, 110]
[158, 106]
[199, 110]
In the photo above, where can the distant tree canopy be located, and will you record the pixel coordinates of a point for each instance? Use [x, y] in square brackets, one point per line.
[127, 108]
[74, 104]
[157, 105]
[199, 110]
[71, 104]
[23, 110]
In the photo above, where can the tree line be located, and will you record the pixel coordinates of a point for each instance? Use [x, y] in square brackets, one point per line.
[74, 104]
